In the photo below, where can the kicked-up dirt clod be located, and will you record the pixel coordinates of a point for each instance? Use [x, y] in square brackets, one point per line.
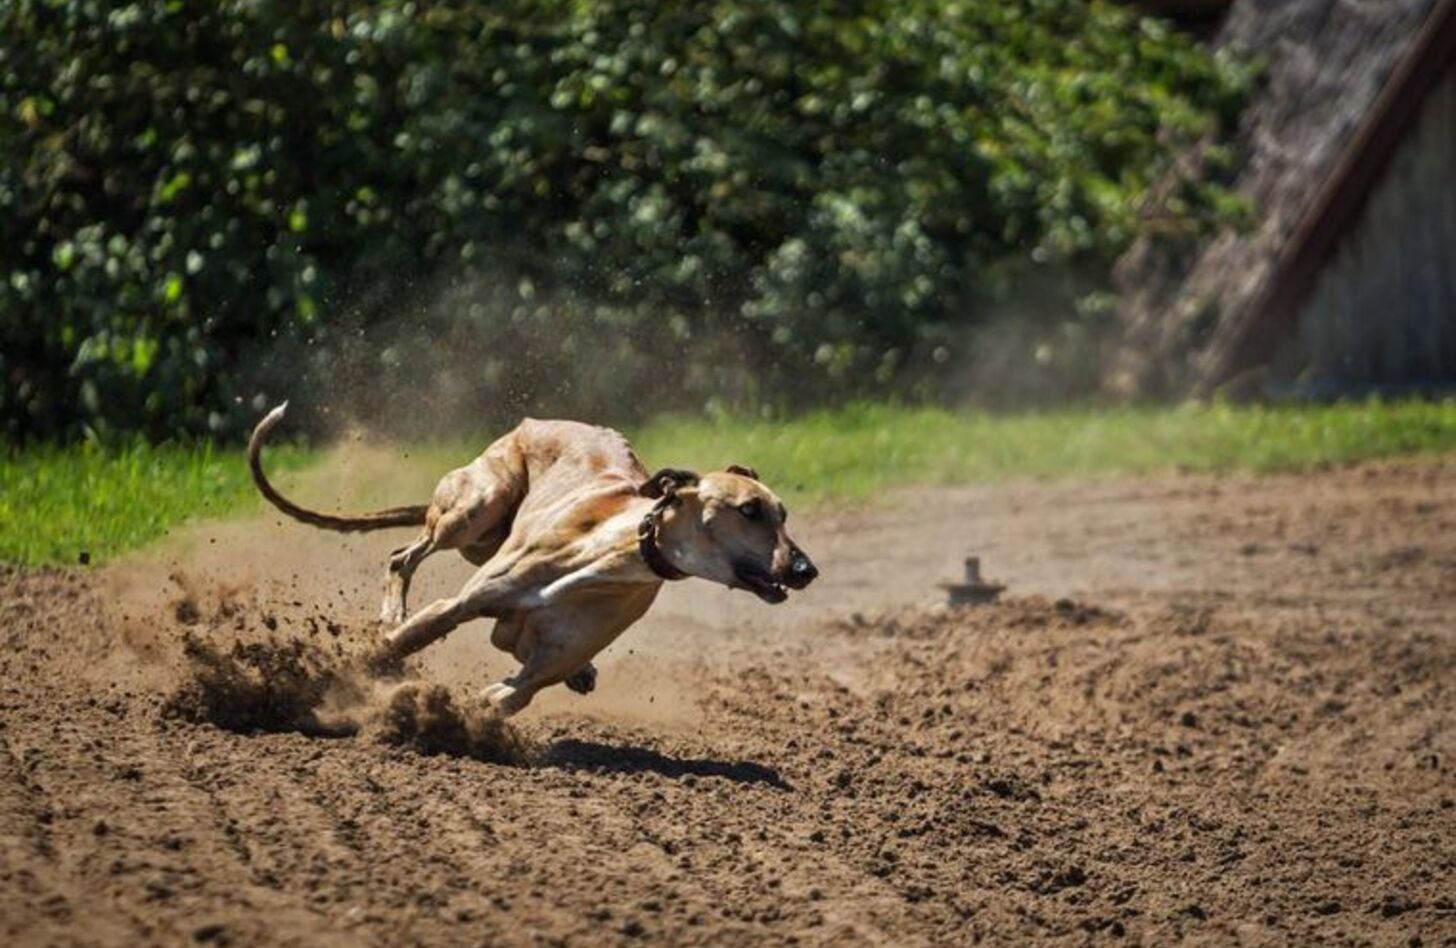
[430, 719]
[1210, 709]
[264, 686]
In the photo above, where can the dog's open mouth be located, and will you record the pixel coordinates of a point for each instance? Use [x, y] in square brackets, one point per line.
[761, 584]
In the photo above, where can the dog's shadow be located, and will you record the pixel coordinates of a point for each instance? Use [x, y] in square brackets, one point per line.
[574, 754]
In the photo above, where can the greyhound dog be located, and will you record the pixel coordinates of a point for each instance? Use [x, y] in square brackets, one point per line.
[573, 540]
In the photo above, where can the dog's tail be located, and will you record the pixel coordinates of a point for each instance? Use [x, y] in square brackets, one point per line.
[378, 520]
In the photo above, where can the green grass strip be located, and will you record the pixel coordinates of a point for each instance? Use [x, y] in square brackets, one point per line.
[854, 452]
[57, 503]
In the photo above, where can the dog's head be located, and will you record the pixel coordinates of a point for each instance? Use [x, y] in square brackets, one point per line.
[727, 526]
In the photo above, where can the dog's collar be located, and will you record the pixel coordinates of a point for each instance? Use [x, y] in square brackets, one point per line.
[652, 554]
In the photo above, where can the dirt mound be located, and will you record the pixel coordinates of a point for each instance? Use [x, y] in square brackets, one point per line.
[267, 686]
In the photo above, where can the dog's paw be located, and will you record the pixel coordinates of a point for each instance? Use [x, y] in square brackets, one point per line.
[497, 693]
[584, 680]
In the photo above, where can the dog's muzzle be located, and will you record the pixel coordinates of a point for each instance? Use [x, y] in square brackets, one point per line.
[773, 586]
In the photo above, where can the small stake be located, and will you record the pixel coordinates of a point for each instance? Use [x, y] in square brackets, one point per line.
[974, 589]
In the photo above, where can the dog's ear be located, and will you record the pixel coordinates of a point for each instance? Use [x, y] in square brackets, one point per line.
[742, 471]
[669, 480]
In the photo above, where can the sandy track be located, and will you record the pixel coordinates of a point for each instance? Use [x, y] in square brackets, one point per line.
[1235, 728]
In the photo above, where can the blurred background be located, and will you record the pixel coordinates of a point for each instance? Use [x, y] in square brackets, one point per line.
[424, 218]
[615, 208]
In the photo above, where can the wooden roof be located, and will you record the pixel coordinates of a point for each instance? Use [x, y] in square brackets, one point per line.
[1341, 83]
[1342, 196]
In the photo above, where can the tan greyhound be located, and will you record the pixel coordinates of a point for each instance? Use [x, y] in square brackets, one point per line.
[573, 540]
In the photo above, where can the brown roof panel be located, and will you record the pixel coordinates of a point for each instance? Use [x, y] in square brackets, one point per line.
[1342, 195]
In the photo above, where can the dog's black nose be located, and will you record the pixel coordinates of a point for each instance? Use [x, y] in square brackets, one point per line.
[802, 570]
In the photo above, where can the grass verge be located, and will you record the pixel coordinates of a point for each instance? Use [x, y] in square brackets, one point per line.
[69, 505]
[853, 452]
[56, 504]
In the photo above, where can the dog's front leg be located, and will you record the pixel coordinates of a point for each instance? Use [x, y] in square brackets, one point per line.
[601, 572]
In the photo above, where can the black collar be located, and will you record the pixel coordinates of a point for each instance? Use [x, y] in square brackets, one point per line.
[652, 554]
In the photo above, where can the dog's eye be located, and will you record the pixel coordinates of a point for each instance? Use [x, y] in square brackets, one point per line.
[753, 510]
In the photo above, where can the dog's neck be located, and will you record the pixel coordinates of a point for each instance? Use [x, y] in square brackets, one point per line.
[649, 542]
[676, 539]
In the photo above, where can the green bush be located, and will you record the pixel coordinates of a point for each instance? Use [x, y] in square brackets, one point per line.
[201, 202]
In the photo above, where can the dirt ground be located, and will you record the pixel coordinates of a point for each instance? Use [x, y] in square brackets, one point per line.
[1210, 709]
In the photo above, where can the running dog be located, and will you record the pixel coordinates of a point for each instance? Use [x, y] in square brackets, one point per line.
[573, 540]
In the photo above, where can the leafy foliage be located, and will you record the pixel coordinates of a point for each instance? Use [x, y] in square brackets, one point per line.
[199, 200]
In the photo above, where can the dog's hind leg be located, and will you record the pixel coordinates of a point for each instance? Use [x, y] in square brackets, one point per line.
[514, 693]
[544, 667]
[473, 506]
[557, 644]
[552, 648]
[402, 565]
[470, 511]
[495, 590]
[583, 681]
[507, 632]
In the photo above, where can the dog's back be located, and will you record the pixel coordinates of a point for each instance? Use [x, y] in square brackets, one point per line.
[558, 465]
